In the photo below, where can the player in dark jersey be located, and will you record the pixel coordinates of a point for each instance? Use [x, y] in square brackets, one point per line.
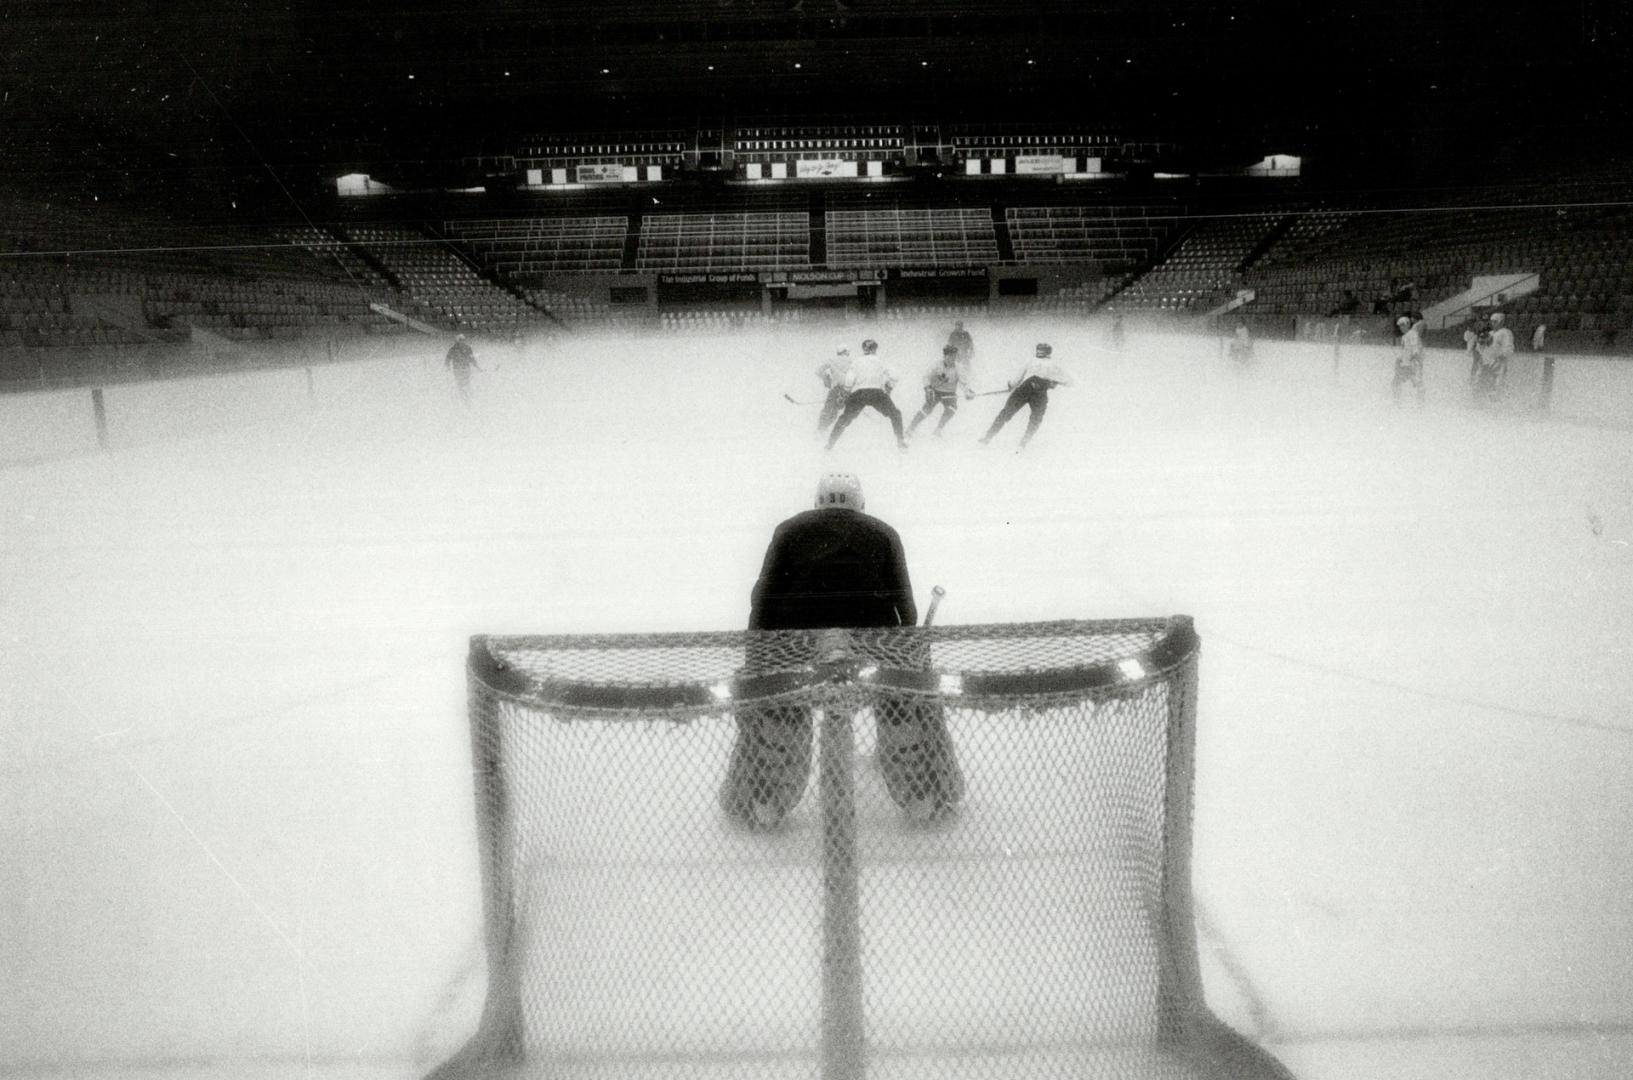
[960, 340]
[834, 566]
[461, 360]
[943, 384]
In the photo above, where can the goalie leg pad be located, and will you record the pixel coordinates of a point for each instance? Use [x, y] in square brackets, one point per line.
[770, 765]
[917, 758]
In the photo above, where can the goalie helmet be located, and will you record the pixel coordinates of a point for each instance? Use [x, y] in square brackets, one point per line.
[839, 490]
[1045, 350]
[870, 346]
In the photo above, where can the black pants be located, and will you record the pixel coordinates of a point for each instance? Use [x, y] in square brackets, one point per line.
[462, 379]
[932, 398]
[1034, 394]
[861, 399]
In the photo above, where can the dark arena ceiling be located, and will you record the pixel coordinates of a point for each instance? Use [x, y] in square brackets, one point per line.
[321, 85]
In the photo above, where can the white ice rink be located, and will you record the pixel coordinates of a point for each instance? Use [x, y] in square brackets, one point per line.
[236, 827]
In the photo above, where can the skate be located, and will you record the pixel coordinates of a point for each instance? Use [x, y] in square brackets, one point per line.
[770, 766]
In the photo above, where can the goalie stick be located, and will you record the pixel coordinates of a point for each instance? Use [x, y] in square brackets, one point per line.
[935, 601]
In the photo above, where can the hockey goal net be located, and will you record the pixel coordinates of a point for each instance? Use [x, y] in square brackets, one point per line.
[1012, 902]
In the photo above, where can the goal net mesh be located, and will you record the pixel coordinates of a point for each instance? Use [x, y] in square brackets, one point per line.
[947, 851]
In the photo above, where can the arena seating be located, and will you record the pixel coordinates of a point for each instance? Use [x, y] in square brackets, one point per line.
[515, 247]
[846, 142]
[943, 236]
[432, 272]
[131, 280]
[123, 278]
[755, 240]
[1206, 264]
[1121, 238]
[1388, 263]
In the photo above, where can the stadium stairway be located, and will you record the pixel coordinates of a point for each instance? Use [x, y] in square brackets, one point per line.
[1268, 241]
[1000, 234]
[818, 229]
[632, 243]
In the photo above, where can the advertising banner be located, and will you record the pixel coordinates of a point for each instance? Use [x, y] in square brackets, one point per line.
[600, 174]
[1038, 164]
[818, 167]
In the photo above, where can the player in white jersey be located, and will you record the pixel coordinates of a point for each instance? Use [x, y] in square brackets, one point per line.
[1500, 352]
[1030, 387]
[1241, 345]
[944, 383]
[869, 384]
[1408, 358]
[833, 374]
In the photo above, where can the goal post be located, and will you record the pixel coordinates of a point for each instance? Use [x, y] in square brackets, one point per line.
[1033, 917]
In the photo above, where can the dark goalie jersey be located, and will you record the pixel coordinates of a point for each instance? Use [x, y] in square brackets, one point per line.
[833, 567]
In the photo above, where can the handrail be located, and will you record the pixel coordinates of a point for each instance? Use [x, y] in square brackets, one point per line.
[1472, 304]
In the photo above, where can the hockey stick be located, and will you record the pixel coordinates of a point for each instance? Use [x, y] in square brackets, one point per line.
[935, 601]
[992, 393]
[792, 400]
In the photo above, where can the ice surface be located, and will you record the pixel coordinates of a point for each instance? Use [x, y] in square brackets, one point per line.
[236, 817]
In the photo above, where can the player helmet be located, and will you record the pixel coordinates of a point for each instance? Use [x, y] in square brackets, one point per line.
[839, 489]
[1496, 317]
[870, 346]
[1403, 322]
[949, 350]
[1044, 349]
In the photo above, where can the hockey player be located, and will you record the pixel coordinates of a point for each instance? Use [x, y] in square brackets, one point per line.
[868, 385]
[1501, 351]
[461, 360]
[1476, 338]
[1241, 345]
[1408, 358]
[833, 374]
[1487, 362]
[943, 385]
[964, 345]
[834, 566]
[1030, 388]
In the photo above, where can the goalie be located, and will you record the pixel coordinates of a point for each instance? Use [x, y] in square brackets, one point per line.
[835, 566]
